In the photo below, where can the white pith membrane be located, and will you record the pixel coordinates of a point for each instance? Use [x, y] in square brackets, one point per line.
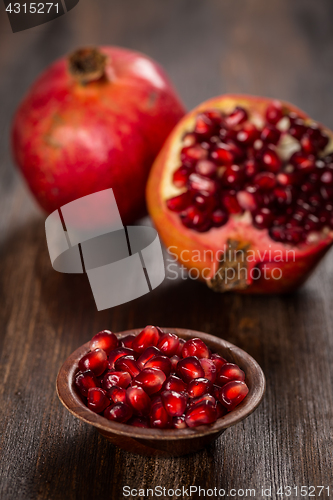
[239, 227]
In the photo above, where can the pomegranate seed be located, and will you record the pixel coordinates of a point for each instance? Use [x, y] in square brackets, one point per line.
[180, 176]
[121, 379]
[96, 361]
[206, 168]
[221, 410]
[97, 399]
[251, 168]
[248, 135]
[204, 203]
[199, 387]
[200, 399]
[274, 112]
[179, 423]
[175, 384]
[118, 353]
[117, 394]
[297, 128]
[229, 372]
[219, 218]
[195, 347]
[193, 154]
[201, 414]
[230, 202]
[282, 196]
[239, 115]
[174, 403]
[127, 364]
[138, 400]
[168, 344]
[182, 341]
[304, 163]
[263, 218]
[180, 202]
[127, 341]
[174, 362]
[277, 233]
[139, 422]
[327, 177]
[148, 337]
[312, 223]
[232, 394]
[247, 200]
[270, 160]
[209, 368]
[287, 178]
[85, 381]
[200, 183]
[227, 153]
[218, 361]
[105, 340]
[265, 181]
[119, 412]
[161, 362]
[149, 353]
[270, 135]
[204, 126]
[190, 368]
[232, 177]
[150, 379]
[159, 418]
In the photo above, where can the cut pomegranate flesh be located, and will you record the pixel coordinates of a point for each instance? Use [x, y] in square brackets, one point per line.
[160, 389]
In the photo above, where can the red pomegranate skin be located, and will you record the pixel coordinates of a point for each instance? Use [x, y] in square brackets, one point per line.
[71, 139]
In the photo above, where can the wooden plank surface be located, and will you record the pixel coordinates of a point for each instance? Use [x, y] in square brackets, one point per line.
[277, 48]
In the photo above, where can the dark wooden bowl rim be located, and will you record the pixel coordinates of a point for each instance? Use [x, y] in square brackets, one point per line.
[72, 401]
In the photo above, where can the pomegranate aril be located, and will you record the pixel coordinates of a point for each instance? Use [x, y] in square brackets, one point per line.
[287, 178]
[209, 368]
[262, 218]
[226, 154]
[168, 344]
[236, 117]
[248, 134]
[247, 200]
[127, 364]
[304, 163]
[274, 112]
[138, 400]
[139, 422]
[189, 368]
[277, 233]
[200, 399]
[218, 361]
[265, 181]
[174, 403]
[201, 414]
[119, 412]
[159, 417]
[181, 344]
[200, 183]
[270, 135]
[230, 202]
[232, 394]
[105, 340]
[229, 372]
[204, 203]
[312, 223]
[96, 361]
[174, 383]
[174, 362]
[232, 177]
[127, 341]
[150, 379]
[180, 176]
[195, 347]
[297, 128]
[119, 378]
[117, 394]
[85, 381]
[179, 423]
[149, 353]
[148, 337]
[220, 410]
[97, 399]
[326, 178]
[118, 353]
[270, 160]
[192, 154]
[282, 196]
[206, 168]
[161, 362]
[251, 168]
[219, 218]
[180, 202]
[199, 387]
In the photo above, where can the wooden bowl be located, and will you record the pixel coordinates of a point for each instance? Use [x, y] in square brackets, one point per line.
[169, 442]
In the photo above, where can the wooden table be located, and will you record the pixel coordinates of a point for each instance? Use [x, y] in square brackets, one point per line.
[277, 48]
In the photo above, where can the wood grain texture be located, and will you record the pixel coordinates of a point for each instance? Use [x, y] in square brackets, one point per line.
[277, 48]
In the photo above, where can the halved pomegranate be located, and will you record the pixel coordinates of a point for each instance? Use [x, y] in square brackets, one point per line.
[242, 194]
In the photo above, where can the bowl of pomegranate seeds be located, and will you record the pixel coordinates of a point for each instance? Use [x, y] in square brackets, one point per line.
[160, 391]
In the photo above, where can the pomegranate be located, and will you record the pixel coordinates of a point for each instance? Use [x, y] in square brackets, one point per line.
[159, 389]
[242, 194]
[94, 120]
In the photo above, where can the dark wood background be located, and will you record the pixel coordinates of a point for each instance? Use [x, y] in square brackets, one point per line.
[277, 48]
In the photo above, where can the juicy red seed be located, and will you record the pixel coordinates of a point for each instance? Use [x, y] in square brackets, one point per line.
[232, 394]
[179, 423]
[221, 410]
[195, 347]
[182, 341]
[204, 203]
[274, 112]
[161, 362]
[180, 202]
[327, 177]
[237, 116]
[168, 344]
[200, 183]
[251, 168]
[117, 394]
[200, 399]
[209, 368]
[206, 168]
[105, 340]
[219, 218]
[96, 361]
[121, 379]
[199, 387]
[248, 135]
[297, 128]
[174, 403]
[304, 163]
[201, 414]
[218, 361]
[190, 368]
[227, 153]
[97, 399]
[150, 379]
[282, 196]
[85, 381]
[159, 418]
[270, 135]
[119, 412]
[247, 201]
[232, 176]
[312, 223]
[127, 341]
[270, 160]
[118, 353]
[174, 362]
[277, 233]
[175, 384]
[149, 353]
[204, 126]
[138, 400]
[180, 176]
[265, 181]
[193, 154]
[127, 364]
[139, 422]
[231, 204]
[262, 219]
[286, 178]
[148, 337]
[229, 372]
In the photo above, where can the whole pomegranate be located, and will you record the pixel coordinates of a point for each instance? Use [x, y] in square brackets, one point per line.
[242, 194]
[94, 120]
